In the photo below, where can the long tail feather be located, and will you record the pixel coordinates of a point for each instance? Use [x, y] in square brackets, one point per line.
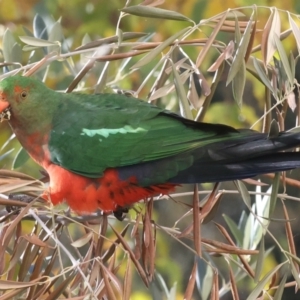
[246, 157]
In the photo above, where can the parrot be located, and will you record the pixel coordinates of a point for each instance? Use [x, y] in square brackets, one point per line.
[108, 151]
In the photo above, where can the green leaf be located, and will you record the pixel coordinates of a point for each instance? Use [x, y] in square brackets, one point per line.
[248, 232]
[39, 28]
[240, 52]
[294, 272]
[156, 51]
[280, 289]
[284, 59]
[8, 43]
[56, 33]
[274, 193]
[244, 192]
[295, 30]
[263, 76]
[236, 232]
[262, 205]
[20, 159]
[16, 53]
[154, 12]
[205, 276]
[32, 41]
[262, 283]
[260, 260]
[27, 31]
[112, 39]
[183, 101]
[238, 84]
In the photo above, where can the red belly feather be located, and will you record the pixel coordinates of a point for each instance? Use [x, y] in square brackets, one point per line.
[107, 193]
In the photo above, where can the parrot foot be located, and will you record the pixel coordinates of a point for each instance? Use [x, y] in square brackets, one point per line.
[120, 213]
[22, 198]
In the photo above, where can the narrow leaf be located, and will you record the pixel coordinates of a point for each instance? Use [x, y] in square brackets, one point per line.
[32, 41]
[295, 30]
[156, 51]
[20, 159]
[56, 33]
[112, 39]
[271, 29]
[39, 28]
[274, 193]
[238, 235]
[154, 12]
[263, 76]
[7, 44]
[16, 53]
[244, 193]
[128, 280]
[284, 59]
[191, 283]
[239, 57]
[260, 260]
[82, 241]
[183, 101]
[210, 40]
[280, 289]
[238, 84]
[233, 287]
[262, 283]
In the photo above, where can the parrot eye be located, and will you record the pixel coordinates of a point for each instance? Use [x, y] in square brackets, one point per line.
[24, 94]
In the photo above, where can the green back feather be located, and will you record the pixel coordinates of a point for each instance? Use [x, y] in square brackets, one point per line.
[89, 133]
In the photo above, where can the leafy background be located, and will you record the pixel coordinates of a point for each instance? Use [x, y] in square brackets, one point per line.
[116, 259]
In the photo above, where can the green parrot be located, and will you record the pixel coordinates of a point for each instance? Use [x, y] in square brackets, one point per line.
[108, 151]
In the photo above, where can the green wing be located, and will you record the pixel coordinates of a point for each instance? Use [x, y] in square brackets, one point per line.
[93, 132]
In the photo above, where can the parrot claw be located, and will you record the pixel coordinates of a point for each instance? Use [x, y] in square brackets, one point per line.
[21, 198]
[120, 213]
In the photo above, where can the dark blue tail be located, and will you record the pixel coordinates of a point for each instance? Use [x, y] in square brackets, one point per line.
[221, 161]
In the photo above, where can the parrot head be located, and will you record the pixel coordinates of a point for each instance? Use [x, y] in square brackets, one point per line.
[15, 95]
[27, 103]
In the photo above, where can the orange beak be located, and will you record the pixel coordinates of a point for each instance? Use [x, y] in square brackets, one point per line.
[3, 102]
[4, 108]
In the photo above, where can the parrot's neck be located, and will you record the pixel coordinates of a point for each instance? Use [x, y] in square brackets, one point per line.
[34, 142]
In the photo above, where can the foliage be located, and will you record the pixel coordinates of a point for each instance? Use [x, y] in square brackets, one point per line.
[50, 253]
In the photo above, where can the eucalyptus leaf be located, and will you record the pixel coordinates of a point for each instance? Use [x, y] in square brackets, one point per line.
[32, 41]
[260, 260]
[280, 289]
[16, 53]
[56, 33]
[284, 59]
[238, 84]
[27, 31]
[7, 44]
[39, 28]
[156, 51]
[205, 277]
[263, 76]
[239, 57]
[235, 231]
[262, 283]
[244, 192]
[20, 159]
[274, 193]
[183, 101]
[154, 12]
[296, 31]
[111, 39]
